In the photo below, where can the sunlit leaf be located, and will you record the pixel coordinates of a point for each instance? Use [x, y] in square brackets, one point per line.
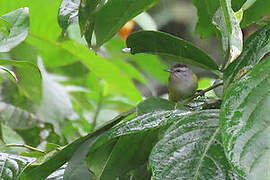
[17, 29]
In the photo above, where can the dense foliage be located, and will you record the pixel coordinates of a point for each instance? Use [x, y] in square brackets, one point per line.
[73, 100]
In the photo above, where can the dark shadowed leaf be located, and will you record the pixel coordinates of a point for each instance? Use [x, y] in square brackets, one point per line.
[244, 120]
[123, 155]
[18, 22]
[159, 43]
[107, 19]
[256, 10]
[77, 167]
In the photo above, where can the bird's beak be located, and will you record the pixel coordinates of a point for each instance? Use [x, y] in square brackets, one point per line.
[168, 70]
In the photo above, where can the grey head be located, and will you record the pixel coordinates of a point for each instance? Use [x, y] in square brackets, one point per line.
[179, 71]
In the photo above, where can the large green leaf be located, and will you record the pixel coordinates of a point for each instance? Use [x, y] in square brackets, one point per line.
[29, 83]
[191, 149]
[256, 10]
[253, 10]
[12, 165]
[127, 153]
[18, 22]
[244, 120]
[255, 47]
[107, 19]
[228, 24]
[60, 158]
[77, 167]
[160, 43]
[68, 13]
[106, 158]
[205, 12]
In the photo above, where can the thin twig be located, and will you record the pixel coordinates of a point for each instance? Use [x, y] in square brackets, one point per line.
[202, 92]
[25, 146]
[99, 105]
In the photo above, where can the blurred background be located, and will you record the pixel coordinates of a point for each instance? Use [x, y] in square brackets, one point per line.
[82, 89]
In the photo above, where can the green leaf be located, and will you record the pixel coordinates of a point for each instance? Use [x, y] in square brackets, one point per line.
[30, 82]
[130, 71]
[128, 153]
[77, 167]
[255, 47]
[153, 104]
[205, 12]
[228, 24]
[12, 165]
[191, 149]
[60, 158]
[244, 120]
[107, 19]
[254, 10]
[4, 29]
[106, 158]
[18, 22]
[159, 43]
[104, 69]
[16, 118]
[68, 13]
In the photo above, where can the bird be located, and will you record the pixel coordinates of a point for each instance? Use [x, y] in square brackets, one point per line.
[182, 83]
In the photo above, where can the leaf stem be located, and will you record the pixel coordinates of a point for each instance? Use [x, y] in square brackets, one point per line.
[25, 146]
[99, 105]
[202, 92]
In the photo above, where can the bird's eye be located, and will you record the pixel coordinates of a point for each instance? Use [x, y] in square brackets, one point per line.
[178, 70]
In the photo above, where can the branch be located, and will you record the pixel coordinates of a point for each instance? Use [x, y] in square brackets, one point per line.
[202, 92]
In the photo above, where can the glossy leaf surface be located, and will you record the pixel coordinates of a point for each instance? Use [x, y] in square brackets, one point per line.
[159, 43]
[68, 13]
[107, 158]
[255, 47]
[60, 158]
[107, 19]
[191, 149]
[12, 165]
[18, 22]
[244, 120]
